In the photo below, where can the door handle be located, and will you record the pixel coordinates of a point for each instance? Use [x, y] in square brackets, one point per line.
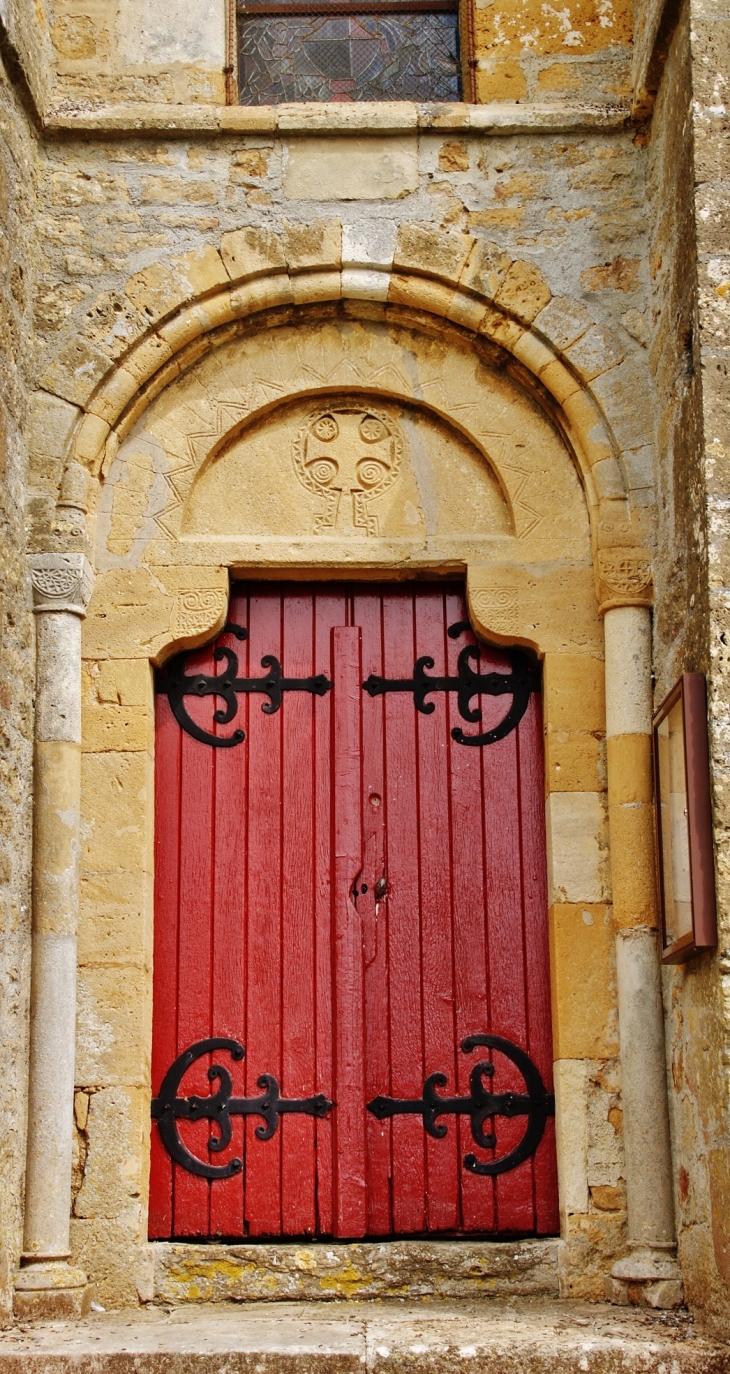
[381, 889]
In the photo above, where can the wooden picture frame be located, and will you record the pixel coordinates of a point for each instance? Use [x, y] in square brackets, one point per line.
[685, 859]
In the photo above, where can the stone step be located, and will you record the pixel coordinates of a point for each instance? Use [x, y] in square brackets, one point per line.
[355, 1269]
[489, 1336]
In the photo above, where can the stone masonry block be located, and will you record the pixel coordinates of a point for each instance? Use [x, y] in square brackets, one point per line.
[571, 1130]
[634, 878]
[574, 762]
[583, 981]
[420, 294]
[75, 371]
[574, 693]
[630, 769]
[620, 393]
[559, 381]
[117, 1130]
[423, 248]
[609, 479]
[51, 423]
[595, 352]
[485, 268]
[114, 395]
[578, 860]
[115, 801]
[262, 293]
[145, 359]
[332, 168]
[563, 321]
[89, 442]
[316, 286]
[358, 284]
[317, 244]
[524, 291]
[369, 243]
[533, 353]
[113, 1027]
[252, 252]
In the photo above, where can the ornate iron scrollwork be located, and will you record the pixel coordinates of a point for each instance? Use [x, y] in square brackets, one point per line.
[176, 684]
[220, 1106]
[518, 684]
[536, 1104]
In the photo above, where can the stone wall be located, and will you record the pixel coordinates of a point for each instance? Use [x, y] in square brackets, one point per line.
[18, 209]
[689, 371]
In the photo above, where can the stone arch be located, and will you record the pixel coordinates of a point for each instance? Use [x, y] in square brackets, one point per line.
[572, 363]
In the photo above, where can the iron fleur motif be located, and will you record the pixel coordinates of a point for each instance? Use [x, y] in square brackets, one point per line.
[519, 684]
[220, 1106]
[176, 684]
[536, 1104]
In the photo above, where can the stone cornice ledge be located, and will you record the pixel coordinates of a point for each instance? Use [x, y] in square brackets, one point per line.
[386, 117]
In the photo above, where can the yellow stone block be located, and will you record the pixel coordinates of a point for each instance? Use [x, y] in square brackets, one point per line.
[182, 328]
[574, 762]
[91, 437]
[498, 326]
[127, 683]
[116, 808]
[125, 729]
[629, 769]
[633, 866]
[316, 286]
[115, 918]
[420, 294]
[574, 693]
[252, 252]
[147, 357]
[583, 981]
[524, 291]
[559, 381]
[318, 244]
[114, 1022]
[201, 269]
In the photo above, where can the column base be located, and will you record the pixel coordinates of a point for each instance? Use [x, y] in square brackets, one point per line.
[646, 1277]
[51, 1288]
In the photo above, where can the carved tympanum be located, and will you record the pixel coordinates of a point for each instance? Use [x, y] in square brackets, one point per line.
[348, 456]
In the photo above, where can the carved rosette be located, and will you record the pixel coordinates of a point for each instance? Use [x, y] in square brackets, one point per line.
[61, 582]
[623, 578]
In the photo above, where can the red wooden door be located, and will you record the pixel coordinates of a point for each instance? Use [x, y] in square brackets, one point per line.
[348, 894]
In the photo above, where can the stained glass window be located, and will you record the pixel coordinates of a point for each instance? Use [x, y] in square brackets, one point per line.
[339, 50]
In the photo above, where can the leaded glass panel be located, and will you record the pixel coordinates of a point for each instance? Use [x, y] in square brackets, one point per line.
[300, 57]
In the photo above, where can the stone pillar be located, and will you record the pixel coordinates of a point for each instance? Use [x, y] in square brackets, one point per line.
[47, 1284]
[649, 1274]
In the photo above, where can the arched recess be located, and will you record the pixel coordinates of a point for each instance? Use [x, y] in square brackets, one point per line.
[566, 537]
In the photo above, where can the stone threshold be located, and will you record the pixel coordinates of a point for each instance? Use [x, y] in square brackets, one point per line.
[523, 1336]
[188, 1273]
[137, 119]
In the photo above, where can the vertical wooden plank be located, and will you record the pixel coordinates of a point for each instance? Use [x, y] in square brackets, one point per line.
[409, 1213]
[330, 610]
[263, 971]
[367, 614]
[442, 1159]
[298, 954]
[164, 999]
[191, 1194]
[471, 915]
[515, 1211]
[226, 1195]
[350, 1211]
[537, 956]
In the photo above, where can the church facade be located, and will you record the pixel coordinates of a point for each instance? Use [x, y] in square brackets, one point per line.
[364, 498]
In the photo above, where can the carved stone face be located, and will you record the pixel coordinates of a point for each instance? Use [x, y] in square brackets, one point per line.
[349, 456]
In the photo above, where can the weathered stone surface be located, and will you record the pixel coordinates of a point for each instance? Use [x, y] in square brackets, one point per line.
[495, 1336]
[345, 169]
[404, 1269]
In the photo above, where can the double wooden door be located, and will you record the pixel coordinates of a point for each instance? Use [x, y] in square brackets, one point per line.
[347, 889]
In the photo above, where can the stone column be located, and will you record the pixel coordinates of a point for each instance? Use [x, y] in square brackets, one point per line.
[47, 1284]
[649, 1274]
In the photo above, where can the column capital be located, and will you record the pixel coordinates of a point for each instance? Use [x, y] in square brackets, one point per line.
[623, 578]
[61, 582]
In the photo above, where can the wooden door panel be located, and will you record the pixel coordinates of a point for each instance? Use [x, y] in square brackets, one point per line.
[261, 938]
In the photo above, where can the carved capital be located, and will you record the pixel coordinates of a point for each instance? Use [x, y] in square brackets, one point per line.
[61, 582]
[623, 578]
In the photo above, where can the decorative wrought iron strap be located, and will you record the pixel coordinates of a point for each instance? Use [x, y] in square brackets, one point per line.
[220, 1106]
[536, 1104]
[518, 684]
[176, 684]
